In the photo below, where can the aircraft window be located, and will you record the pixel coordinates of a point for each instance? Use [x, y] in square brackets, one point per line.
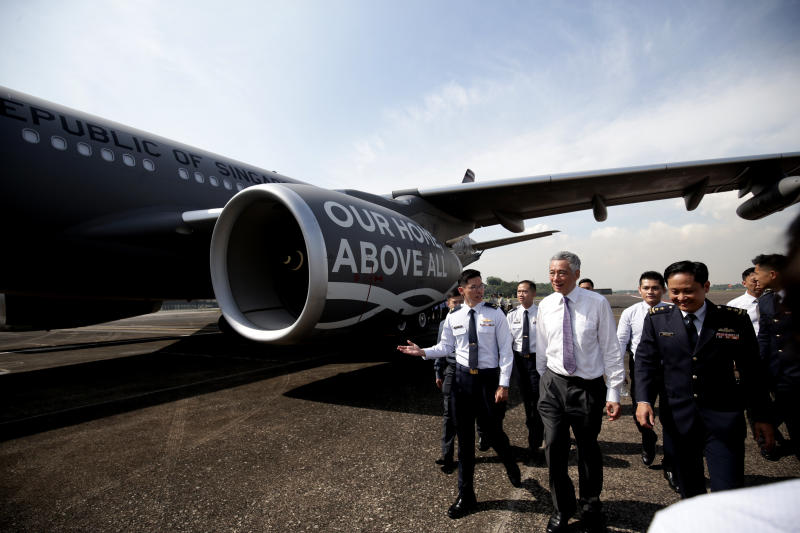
[148, 165]
[227, 184]
[183, 173]
[107, 154]
[239, 186]
[128, 160]
[84, 149]
[213, 181]
[32, 136]
[59, 143]
[198, 177]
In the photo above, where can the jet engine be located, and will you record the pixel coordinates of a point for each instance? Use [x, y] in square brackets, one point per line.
[289, 260]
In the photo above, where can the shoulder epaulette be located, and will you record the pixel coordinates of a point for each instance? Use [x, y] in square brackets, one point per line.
[456, 308]
[492, 305]
[661, 309]
[767, 291]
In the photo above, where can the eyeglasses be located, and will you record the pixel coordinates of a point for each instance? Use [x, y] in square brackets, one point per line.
[476, 287]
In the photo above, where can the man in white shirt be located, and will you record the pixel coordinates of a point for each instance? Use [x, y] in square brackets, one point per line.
[479, 333]
[522, 323]
[629, 333]
[749, 300]
[576, 346]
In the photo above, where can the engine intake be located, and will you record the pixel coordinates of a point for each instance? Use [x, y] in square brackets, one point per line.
[291, 260]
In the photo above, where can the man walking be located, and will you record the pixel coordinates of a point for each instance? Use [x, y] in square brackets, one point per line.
[522, 323]
[576, 346]
[479, 333]
[690, 353]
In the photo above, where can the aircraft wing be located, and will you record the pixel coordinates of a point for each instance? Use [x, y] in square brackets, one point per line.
[771, 178]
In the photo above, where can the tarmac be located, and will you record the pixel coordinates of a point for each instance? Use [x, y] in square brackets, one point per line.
[162, 423]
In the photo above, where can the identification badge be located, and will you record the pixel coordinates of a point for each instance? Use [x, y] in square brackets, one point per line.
[665, 334]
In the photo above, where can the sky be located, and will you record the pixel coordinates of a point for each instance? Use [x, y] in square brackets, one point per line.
[381, 95]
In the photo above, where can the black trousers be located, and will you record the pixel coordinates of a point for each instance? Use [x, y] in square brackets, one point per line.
[787, 403]
[448, 421]
[723, 451]
[528, 380]
[473, 399]
[648, 435]
[448, 424]
[572, 402]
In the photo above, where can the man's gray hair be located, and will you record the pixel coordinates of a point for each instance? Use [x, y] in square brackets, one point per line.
[573, 260]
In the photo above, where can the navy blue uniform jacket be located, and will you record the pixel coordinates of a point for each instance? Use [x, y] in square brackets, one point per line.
[702, 382]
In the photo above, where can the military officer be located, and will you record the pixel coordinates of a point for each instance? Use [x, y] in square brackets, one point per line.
[479, 333]
[774, 340]
[687, 354]
[522, 322]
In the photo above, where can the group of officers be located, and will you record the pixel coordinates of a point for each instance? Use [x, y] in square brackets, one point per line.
[702, 360]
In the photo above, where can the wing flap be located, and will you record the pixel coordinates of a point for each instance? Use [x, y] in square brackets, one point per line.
[531, 197]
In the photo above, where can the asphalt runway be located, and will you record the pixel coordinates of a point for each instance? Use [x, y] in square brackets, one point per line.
[161, 423]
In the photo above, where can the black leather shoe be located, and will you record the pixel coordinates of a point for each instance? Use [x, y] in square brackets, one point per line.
[483, 444]
[462, 506]
[443, 460]
[648, 451]
[592, 522]
[514, 475]
[449, 467]
[558, 523]
[669, 475]
[536, 457]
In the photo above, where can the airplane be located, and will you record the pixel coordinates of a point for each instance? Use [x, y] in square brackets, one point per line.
[101, 221]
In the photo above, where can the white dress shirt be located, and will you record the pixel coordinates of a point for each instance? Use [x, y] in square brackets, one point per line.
[515, 324]
[631, 322]
[596, 347]
[749, 303]
[494, 339]
[700, 317]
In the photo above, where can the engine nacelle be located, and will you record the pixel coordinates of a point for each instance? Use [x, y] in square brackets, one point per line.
[291, 260]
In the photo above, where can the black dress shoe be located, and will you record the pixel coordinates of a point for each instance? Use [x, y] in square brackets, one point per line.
[462, 506]
[483, 444]
[443, 460]
[648, 451]
[592, 522]
[669, 475]
[536, 457]
[558, 523]
[449, 467]
[514, 475]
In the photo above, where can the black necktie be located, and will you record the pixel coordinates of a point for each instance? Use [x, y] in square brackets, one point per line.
[691, 329]
[526, 343]
[473, 341]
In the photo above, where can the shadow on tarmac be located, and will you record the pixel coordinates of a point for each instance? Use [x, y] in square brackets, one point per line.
[52, 398]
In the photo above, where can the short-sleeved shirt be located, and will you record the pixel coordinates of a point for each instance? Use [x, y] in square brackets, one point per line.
[630, 325]
[515, 323]
[494, 339]
[749, 303]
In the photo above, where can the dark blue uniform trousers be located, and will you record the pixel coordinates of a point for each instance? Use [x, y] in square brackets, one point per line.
[473, 399]
[528, 380]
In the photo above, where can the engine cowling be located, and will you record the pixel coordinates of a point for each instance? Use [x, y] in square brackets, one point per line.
[289, 261]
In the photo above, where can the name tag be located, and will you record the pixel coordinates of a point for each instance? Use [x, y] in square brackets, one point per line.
[729, 336]
[665, 334]
[458, 327]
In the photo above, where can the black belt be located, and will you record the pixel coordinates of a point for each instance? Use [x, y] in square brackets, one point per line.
[474, 371]
[573, 379]
[524, 356]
